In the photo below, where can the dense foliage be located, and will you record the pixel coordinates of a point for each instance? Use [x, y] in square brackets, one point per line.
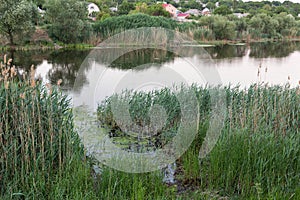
[111, 26]
[16, 18]
[68, 20]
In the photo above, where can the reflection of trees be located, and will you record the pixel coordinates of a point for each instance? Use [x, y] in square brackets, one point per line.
[227, 51]
[66, 63]
[65, 66]
[24, 59]
[191, 51]
[273, 49]
[140, 57]
[130, 57]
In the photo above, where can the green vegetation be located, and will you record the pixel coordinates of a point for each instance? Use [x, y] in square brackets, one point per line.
[222, 10]
[41, 157]
[40, 154]
[68, 21]
[152, 10]
[114, 25]
[16, 18]
[256, 155]
[208, 28]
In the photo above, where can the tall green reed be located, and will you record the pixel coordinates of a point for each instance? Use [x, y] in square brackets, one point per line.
[37, 142]
[257, 153]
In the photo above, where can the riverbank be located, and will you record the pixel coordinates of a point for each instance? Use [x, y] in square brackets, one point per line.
[246, 42]
[82, 46]
[53, 46]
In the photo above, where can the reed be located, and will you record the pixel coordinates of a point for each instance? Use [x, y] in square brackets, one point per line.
[256, 156]
[37, 140]
[257, 153]
[120, 185]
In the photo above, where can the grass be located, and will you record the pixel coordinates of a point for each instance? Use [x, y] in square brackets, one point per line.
[40, 153]
[256, 156]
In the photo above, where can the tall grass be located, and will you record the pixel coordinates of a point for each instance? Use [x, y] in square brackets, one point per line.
[38, 146]
[120, 185]
[257, 155]
[115, 25]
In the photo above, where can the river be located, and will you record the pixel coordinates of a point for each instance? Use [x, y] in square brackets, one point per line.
[111, 70]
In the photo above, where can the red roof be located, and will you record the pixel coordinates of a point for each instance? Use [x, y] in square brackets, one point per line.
[183, 15]
[165, 5]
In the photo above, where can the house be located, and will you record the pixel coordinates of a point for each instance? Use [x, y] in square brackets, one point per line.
[194, 12]
[92, 9]
[182, 16]
[205, 12]
[170, 8]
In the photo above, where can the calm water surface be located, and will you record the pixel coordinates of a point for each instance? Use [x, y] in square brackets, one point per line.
[144, 69]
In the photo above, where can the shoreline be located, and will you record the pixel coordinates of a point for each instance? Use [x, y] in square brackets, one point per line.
[202, 43]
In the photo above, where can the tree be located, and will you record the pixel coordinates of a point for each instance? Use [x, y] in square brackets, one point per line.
[223, 29]
[241, 26]
[104, 13]
[263, 25]
[157, 10]
[15, 18]
[140, 7]
[286, 24]
[154, 10]
[67, 18]
[125, 8]
[210, 5]
[222, 10]
[281, 9]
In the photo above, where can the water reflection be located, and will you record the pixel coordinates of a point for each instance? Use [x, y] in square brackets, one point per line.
[140, 57]
[227, 51]
[65, 66]
[236, 64]
[273, 49]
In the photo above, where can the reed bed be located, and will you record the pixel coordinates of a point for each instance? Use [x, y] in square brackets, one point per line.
[257, 154]
[38, 146]
[114, 25]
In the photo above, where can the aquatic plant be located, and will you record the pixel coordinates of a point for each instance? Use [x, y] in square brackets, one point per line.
[37, 142]
[257, 153]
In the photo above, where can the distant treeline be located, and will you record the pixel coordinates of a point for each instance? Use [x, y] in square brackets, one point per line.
[68, 22]
[214, 27]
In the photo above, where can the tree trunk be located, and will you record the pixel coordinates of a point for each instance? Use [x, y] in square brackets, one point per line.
[11, 39]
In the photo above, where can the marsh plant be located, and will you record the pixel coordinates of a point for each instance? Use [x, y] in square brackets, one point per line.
[257, 154]
[38, 146]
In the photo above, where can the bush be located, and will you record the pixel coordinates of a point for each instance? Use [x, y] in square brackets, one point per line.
[114, 25]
